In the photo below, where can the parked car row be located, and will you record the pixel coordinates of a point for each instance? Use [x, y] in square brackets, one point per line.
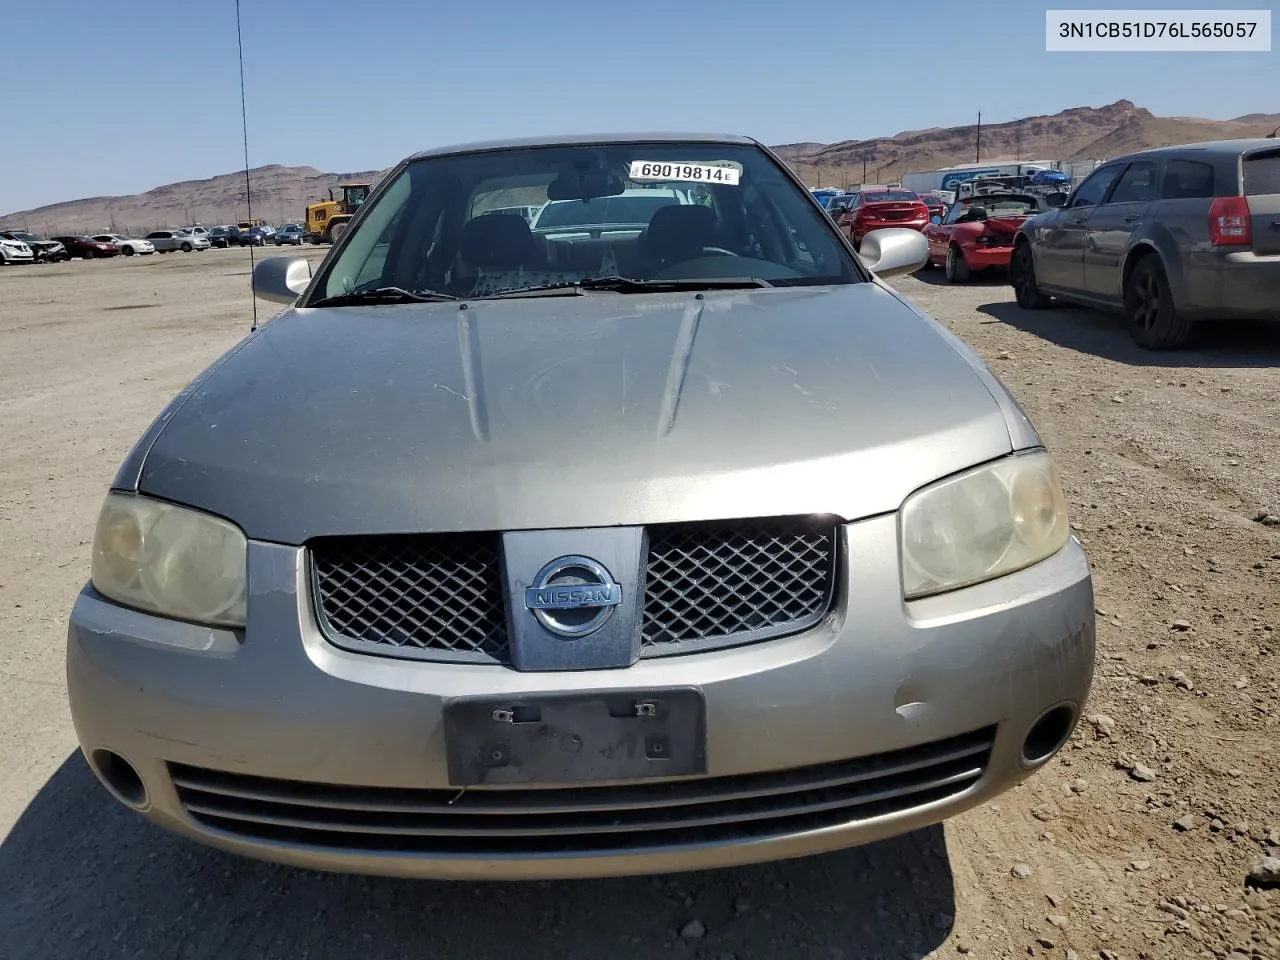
[250, 234]
[20, 246]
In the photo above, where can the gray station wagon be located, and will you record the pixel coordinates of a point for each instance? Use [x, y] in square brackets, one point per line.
[1169, 236]
[515, 553]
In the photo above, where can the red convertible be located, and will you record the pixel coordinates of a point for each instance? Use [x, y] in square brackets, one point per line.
[977, 233]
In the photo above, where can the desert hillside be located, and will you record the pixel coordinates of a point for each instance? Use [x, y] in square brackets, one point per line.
[280, 193]
[1081, 133]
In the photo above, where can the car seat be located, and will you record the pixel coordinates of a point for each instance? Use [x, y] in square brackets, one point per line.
[504, 255]
[678, 233]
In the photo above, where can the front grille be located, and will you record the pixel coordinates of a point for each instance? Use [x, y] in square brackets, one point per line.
[437, 592]
[606, 819]
[708, 584]
[440, 596]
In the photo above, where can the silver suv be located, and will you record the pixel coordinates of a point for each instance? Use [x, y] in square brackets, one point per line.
[1168, 236]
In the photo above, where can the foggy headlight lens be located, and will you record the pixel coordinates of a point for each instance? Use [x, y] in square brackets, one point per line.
[982, 524]
[170, 560]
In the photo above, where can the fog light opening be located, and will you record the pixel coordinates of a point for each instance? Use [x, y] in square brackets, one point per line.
[120, 778]
[1048, 734]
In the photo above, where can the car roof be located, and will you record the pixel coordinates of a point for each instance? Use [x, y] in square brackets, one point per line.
[1228, 147]
[580, 139]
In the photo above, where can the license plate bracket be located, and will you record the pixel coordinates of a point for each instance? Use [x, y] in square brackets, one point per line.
[576, 738]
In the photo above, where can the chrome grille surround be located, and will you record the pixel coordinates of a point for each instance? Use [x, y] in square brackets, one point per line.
[707, 585]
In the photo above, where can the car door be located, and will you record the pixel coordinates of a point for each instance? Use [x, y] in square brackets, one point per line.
[1059, 240]
[939, 234]
[847, 213]
[1113, 226]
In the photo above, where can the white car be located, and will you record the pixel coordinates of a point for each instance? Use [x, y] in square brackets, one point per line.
[166, 241]
[197, 231]
[15, 251]
[619, 217]
[128, 245]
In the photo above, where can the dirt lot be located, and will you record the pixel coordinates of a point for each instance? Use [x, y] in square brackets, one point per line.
[1135, 843]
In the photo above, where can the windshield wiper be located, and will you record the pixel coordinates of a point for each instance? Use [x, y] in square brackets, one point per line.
[631, 285]
[381, 295]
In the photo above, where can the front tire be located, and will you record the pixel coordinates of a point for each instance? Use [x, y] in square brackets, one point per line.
[1022, 274]
[186, 248]
[1154, 322]
[336, 232]
[127, 251]
[956, 269]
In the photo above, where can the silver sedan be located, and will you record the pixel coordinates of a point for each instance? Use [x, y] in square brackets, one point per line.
[497, 555]
[168, 241]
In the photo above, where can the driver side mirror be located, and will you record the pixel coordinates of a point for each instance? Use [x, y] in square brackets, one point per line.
[935, 219]
[281, 279]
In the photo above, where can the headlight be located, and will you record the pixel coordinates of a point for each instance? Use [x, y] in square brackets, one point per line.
[170, 560]
[982, 524]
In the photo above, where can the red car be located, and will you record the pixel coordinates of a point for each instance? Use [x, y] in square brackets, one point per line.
[87, 247]
[877, 209]
[937, 206]
[977, 233]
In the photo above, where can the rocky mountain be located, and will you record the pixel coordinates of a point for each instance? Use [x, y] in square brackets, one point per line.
[1081, 133]
[280, 193]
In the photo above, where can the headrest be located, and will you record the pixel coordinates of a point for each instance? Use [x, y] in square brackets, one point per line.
[498, 240]
[679, 232]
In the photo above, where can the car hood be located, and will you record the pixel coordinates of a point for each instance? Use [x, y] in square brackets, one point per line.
[592, 410]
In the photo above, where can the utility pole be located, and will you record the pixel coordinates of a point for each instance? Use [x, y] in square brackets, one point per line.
[864, 168]
[1017, 139]
[977, 150]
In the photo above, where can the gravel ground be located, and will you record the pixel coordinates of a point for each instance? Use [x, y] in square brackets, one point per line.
[1135, 843]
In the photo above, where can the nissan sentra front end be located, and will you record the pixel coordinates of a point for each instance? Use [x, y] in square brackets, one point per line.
[798, 575]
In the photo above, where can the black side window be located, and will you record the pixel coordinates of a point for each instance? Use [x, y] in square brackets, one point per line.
[1186, 179]
[1091, 192]
[1137, 184]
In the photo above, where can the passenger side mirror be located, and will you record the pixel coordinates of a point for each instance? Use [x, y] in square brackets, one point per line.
[894, 251]
[282, 279]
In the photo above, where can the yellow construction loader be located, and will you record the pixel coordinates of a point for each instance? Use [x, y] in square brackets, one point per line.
[327, 219]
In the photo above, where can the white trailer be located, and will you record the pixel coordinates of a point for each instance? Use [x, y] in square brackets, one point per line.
[949, 177]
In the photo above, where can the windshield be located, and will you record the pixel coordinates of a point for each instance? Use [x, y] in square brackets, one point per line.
[643, 211]
[22, 235]
[890, 196]
[995, 206]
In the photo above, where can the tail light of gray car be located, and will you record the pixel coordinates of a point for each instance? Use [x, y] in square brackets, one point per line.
[1229, 222]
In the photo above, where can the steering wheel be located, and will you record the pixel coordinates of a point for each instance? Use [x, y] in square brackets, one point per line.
[720, 252]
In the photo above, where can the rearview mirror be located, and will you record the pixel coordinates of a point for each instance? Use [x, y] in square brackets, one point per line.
[894, 251]
[281, 279]
[585, 186]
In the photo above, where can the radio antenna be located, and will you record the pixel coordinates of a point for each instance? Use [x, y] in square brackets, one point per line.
[248, 192]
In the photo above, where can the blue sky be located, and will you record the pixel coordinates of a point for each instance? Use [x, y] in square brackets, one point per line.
[120, 98]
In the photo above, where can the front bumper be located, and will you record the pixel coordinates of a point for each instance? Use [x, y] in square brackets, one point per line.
[19, 256]
[882, 719]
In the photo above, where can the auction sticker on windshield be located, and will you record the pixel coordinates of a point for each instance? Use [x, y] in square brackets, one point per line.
[663, 171]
